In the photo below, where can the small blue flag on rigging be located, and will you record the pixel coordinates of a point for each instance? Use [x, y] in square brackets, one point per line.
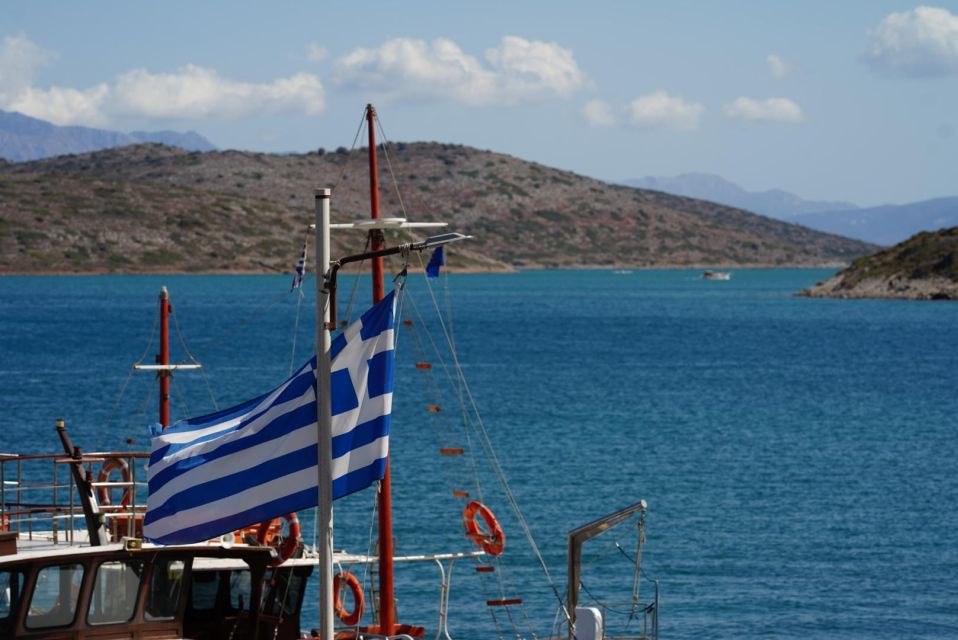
[438, 259]
[256, 461]
[300, 270]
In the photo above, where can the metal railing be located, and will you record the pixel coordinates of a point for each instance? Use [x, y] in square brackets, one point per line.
[40, 500]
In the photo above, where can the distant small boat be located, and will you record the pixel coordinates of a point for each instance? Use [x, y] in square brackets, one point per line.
[717, 275]
[622, 272]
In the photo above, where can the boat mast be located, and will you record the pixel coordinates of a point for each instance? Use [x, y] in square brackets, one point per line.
[163, 358]
[324, 451]
[387, 605]
[162, 367]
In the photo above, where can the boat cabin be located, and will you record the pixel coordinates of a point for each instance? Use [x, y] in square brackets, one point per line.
[112, 591]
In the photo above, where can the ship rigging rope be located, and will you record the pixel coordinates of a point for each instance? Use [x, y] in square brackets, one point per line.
[181, 397]
[392, 174]
[355, 289]
[434, 395]
[299, 305]
[462, 404]
[490, 450]
[498, 588]
[186, 350]
[342, 174]
[129, 376]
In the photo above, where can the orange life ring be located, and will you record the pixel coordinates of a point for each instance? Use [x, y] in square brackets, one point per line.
[103, 493]
[353, 617]
[493, 542]
[267, 533]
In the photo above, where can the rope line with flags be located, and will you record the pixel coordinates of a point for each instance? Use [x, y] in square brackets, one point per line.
[256, 461]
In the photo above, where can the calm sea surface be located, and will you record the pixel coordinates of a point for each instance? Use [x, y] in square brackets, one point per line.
[799, 457]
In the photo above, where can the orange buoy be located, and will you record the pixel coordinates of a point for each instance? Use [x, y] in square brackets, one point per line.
[353, 617]
[111, 465]
[269, 534]
[493, 542]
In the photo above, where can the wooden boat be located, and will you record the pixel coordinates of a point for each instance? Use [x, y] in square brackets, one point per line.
[74, 563]
[717, 275]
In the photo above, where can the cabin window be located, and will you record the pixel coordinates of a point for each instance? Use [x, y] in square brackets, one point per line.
[54, 599]
[114, 592]
[11, 588]
[166, 585]
[283, 599]
[240, 588]
[205, 586]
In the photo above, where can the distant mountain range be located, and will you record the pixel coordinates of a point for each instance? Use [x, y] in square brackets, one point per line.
[23, 138]
[883, 225]
[773, 203]
[888, 224]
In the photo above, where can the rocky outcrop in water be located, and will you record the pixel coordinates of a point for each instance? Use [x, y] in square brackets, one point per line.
[924, 267]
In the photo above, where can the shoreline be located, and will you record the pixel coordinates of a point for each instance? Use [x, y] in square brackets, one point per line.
[464, 271]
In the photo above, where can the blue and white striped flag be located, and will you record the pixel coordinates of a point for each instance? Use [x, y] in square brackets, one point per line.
[300, 270]
[257, 461]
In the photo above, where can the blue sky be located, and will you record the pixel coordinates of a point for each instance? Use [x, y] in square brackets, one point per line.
[853, 100]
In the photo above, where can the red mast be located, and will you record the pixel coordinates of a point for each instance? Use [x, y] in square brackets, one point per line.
[387, 605]
[163, 358]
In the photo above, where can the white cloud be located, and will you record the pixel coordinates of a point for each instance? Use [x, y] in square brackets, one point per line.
[660, 110]
[599, 114]
[316, 53]
[777, 65]
[190, 92]
[19, 60]
[534, 68]
[772, 109]
[63, 106]
[920, 42]
[196, 92]
[515, 71]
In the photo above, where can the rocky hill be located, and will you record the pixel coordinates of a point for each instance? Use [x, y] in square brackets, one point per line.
[924, 267]
[155, 208]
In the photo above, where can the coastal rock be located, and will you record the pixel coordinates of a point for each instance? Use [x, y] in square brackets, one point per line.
[924, 267]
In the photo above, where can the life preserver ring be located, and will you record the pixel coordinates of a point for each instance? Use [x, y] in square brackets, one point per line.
[493, 542]
[103, 493]
[268, 534]
[359, 602]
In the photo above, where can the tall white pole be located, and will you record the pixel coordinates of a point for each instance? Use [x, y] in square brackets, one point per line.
[324, 519]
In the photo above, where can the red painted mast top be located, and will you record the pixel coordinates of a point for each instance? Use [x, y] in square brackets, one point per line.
[387, 605]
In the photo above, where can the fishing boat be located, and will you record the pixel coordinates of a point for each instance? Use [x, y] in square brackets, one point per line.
[80, 556]
[716, 275]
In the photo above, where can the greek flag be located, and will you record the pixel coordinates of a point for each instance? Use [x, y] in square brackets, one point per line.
[300, 270]
[257, 461]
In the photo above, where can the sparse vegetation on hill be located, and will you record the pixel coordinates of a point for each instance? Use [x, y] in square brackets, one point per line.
[924, 267]
[157, 208]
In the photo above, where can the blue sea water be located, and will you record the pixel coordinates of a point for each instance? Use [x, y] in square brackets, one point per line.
[799, 457]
